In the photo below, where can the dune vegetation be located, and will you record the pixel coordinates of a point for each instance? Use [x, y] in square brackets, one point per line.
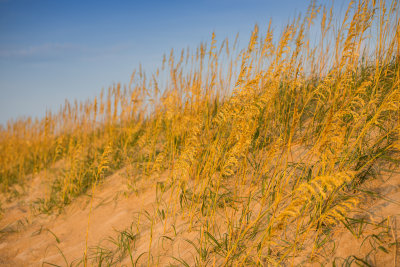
[255, 156]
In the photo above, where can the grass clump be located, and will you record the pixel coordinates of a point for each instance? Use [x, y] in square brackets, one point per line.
[266, 148]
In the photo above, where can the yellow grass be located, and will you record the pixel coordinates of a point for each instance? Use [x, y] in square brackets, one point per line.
[259, 153]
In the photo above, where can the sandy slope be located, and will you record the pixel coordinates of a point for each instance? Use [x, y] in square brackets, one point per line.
[31, 240]
[34, 239]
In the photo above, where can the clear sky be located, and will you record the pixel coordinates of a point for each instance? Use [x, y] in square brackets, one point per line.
[52, 50]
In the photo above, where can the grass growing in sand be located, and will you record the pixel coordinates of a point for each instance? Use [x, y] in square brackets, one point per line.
[257, 155]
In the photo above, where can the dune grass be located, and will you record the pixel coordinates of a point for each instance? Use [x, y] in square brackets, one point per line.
[266, 148]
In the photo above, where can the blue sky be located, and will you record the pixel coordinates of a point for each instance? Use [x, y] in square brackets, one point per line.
[52, 50]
